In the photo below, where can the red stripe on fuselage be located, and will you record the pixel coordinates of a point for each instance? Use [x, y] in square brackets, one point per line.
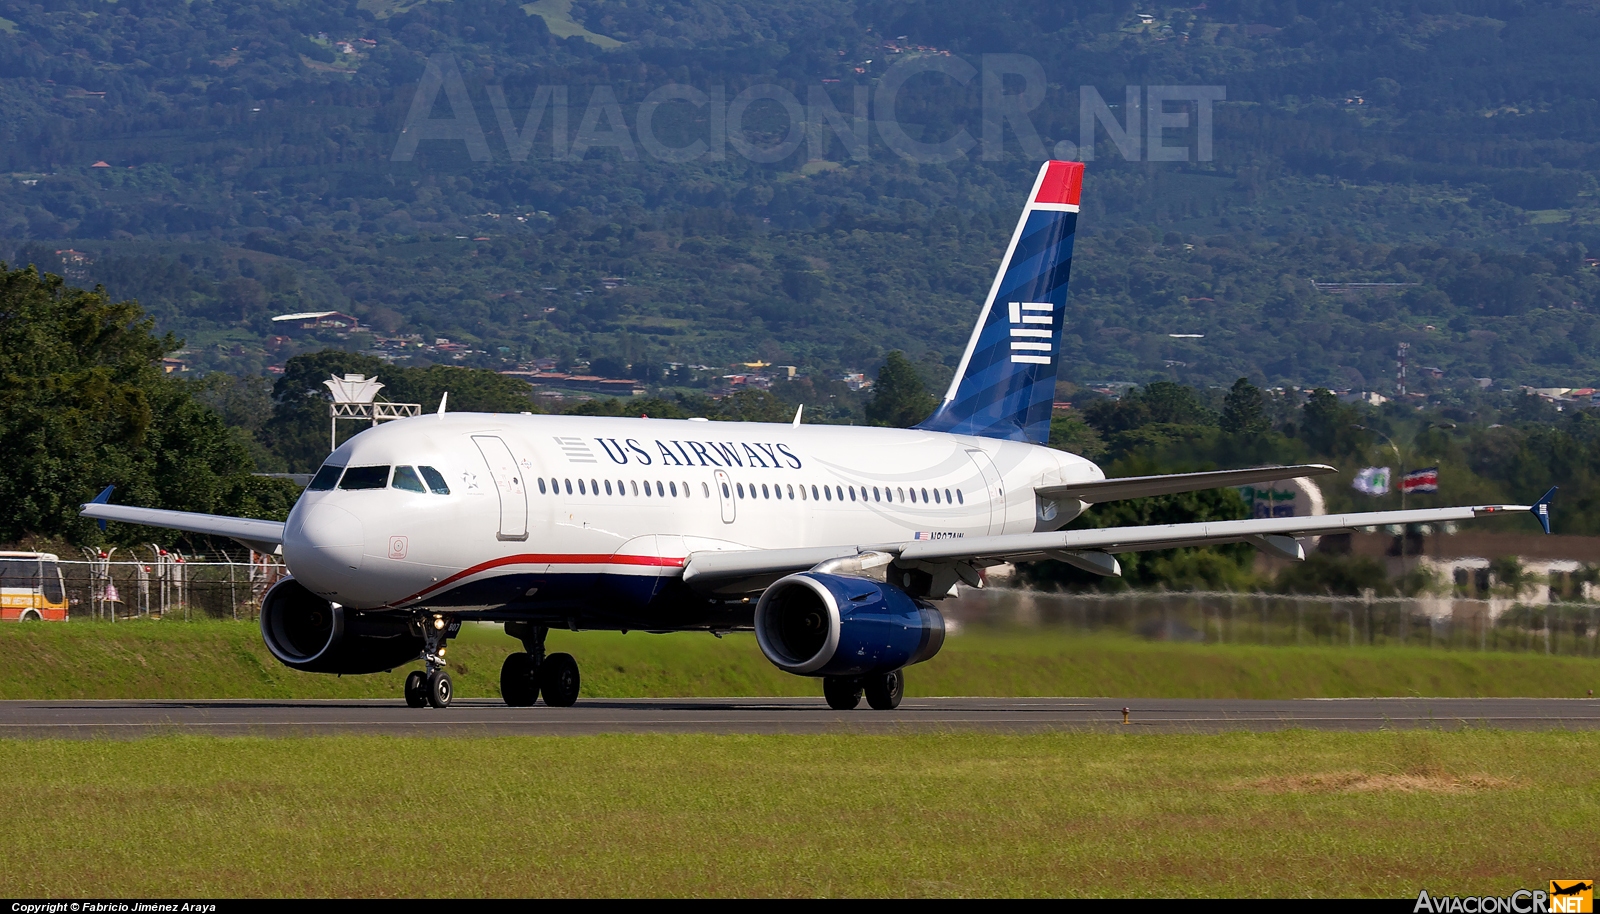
[651, 561]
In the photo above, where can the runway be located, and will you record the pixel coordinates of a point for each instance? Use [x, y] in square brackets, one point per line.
[486, 717]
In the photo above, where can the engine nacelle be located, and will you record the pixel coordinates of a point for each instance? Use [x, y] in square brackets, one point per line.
[818, 624]
[308, 633]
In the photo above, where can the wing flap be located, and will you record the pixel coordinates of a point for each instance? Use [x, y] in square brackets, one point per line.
[1095, 491]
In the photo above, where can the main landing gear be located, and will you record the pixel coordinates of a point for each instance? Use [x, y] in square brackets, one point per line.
[883, 690]
[524, 677]
[431, 686]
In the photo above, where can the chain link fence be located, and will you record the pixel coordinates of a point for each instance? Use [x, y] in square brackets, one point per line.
[167, 586]
[1565, 628]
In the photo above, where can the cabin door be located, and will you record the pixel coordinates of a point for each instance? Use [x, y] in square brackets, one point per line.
[508, 484]
[995, 492]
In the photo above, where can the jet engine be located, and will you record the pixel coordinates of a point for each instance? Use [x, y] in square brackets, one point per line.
[819, 624]
[308, 633]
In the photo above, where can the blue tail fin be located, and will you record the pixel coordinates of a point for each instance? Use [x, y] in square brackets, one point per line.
[1007, 379]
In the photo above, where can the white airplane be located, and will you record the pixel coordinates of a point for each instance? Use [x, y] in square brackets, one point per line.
[830, 542]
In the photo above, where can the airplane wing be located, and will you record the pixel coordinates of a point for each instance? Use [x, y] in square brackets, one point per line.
[1092, 550]
[261, 535]
[1095, 491]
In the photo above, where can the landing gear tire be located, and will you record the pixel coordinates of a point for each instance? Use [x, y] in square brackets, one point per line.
[417, 690]
[558, 680]
[440, 689]
[884, 690]
[842, 693]
[519, 680]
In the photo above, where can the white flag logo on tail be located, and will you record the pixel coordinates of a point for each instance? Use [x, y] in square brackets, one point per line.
[1032, 327]
[1372, 481]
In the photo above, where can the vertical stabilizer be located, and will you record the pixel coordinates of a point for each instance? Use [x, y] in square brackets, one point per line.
[1006, 382]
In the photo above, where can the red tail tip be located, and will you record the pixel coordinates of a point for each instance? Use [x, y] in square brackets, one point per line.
[1063, 182]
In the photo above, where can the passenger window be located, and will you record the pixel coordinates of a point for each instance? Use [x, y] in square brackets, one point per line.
[686, 489]
[764, 492]
[435, 480]
[661, 490]
[705, 490]
[924, 495]
[569, 487]
[814, 495]
[636, 489]
[647, 490]
[947, 496]
[580, 488]
[875, 494]
[839, 492]
[913, 496]
[326, 478]
[725, 492]
[542, 489]
[960, 499]
[608, 487]
[740, 487]
[594, 486]
[406, 478]
[674, 487]
[902, 493]
[936, 496]
[365, 478]
[852, 493]
[827, 492]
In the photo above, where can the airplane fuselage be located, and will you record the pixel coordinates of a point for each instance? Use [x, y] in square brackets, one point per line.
[587, 521]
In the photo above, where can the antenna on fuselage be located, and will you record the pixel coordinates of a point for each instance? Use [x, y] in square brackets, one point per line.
[442, 398]
[798, 410]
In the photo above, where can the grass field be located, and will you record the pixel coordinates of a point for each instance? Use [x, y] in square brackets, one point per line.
[1296, 814]
[144, 659]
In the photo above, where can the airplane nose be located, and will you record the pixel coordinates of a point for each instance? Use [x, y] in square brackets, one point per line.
[324, 541]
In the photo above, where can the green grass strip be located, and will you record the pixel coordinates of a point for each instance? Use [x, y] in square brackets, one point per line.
[1293, 814]
[143, 659]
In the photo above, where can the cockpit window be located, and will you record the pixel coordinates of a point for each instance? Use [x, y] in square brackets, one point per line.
[437, 484]
[326, 478]
[365, 478]
[406, 478]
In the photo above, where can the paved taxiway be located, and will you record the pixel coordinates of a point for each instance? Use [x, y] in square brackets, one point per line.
[485, 717]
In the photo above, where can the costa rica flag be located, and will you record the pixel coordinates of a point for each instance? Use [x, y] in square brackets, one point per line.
[1424, 480]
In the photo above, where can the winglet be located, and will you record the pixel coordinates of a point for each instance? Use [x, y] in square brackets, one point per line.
[798, 410]
[442, 398]
[1541, 508]
[104, 498]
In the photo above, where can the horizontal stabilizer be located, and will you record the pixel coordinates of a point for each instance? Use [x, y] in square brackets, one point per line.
[1095, 491]
[260, 535]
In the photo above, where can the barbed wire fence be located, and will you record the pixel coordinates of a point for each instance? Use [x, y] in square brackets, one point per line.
[106, 587]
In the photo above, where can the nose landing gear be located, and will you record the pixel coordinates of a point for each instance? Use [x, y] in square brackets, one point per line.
[431, 685]
[524, 677]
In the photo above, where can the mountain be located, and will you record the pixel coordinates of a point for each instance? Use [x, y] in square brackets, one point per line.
[1380, 172]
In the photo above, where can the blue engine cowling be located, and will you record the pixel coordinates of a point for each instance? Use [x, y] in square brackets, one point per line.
[818, 624]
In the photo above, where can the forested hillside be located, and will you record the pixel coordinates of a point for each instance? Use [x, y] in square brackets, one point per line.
[250, 164]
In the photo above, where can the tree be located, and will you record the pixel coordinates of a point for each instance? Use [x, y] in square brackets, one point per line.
[84, 404]
[1327, 426]
[899, 399]
[1243, 412]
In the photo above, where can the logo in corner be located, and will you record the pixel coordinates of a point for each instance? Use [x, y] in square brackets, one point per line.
[1571, 896]
[1031, 331]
